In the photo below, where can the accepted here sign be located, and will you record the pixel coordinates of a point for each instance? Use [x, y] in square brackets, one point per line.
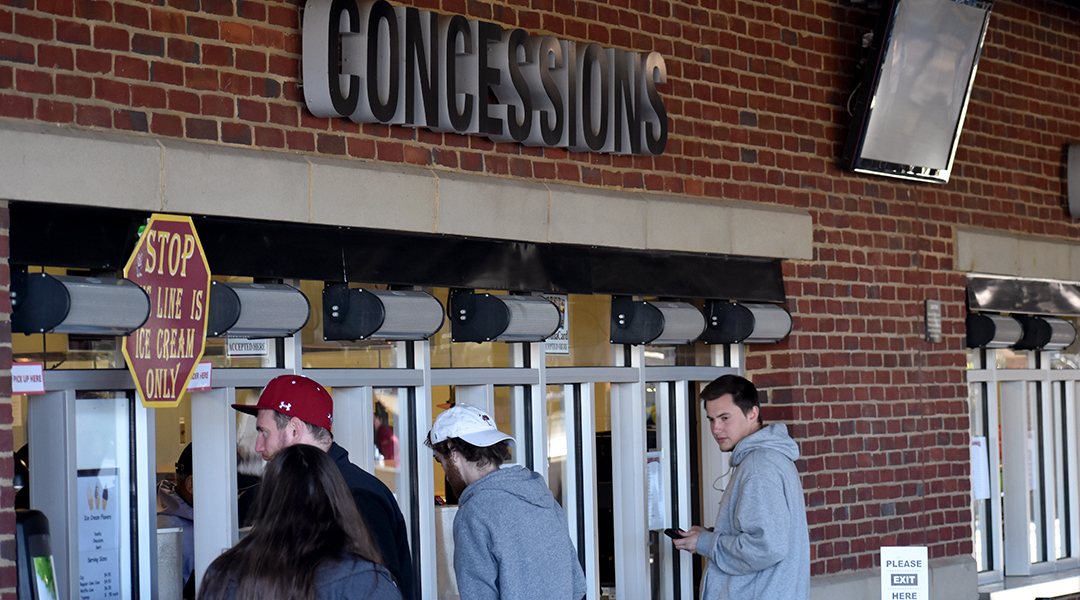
[169, 264]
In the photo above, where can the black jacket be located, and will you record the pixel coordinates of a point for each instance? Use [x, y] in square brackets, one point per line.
[379, 508]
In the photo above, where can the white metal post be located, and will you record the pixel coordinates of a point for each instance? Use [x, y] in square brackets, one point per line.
[994, 442]
[421, 497]
[684, 403]
[145, 475]
[629, 486]
[213, 457]
[1015, 466]
[589, 502]
[539, 409]
[1047, 477]
[353, 428]
[1072, 419]
[481, 396]
[537, 406]
[668, 476]
[51, 434]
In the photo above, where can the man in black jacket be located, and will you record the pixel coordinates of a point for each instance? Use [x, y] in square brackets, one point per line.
[296, 410]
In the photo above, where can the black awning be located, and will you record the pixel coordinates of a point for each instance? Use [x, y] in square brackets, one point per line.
[102, 239]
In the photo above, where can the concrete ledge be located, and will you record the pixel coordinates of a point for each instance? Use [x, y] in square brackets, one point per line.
[954, 578]
[45, 163]
[213, 180]
[345, 195]
[491, 207]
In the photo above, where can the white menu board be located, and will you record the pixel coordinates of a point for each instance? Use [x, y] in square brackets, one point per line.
[99, 534]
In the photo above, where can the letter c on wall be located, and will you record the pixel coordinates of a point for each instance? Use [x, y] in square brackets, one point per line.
[327, 91]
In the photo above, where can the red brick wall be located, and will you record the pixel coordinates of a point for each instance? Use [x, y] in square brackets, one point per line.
[755, 98]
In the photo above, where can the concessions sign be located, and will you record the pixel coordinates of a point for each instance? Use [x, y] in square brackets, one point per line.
[170, 265]
[372, 62]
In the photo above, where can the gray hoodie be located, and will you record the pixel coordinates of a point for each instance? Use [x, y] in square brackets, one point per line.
[511, 541]
[760, 549]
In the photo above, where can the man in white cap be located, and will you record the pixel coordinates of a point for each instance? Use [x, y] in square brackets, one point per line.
[510, 536]
[293, 409]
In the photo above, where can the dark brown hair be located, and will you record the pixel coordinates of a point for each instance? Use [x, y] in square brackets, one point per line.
[495, 454]
[743, 393]
[305, 517]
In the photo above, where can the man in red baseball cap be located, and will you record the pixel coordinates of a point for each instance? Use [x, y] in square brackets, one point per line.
[293, 409]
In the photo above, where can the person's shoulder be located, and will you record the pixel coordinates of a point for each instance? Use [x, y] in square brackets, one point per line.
[354, 475]
[352, 575]
[501, 490]
[765, 458]
[359, 480]
[363, 484]
[348, 566]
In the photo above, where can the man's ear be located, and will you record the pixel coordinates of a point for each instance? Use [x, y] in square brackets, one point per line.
[294, 428]
[453, 455]
[754, 414]
[189, 486]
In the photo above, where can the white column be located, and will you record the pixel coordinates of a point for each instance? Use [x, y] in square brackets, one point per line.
[419, 496]
[50, 430]
[629, 485]
[481, 396]
[213, 456]
[537, 359]
[1016, 465]
[676, 478]
[537, 407]
[993, 425]
[353, 428]
[1070, 418]
[588, 492]
[145, 476]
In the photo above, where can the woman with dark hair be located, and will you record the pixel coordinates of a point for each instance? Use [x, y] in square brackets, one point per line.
[308, 541]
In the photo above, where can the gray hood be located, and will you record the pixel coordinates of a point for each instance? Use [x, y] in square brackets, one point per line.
[517, 481]
[773, 437]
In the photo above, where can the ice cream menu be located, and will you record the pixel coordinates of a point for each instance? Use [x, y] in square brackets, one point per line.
[99, 534]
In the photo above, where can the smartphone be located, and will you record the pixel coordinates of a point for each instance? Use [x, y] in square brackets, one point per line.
[672, 533]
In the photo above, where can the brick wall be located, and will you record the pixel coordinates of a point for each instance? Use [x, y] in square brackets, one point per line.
[755, 98]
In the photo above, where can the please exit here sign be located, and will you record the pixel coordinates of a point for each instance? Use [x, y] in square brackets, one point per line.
[904, 573]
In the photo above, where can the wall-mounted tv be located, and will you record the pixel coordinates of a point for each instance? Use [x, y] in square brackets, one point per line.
[909, 108]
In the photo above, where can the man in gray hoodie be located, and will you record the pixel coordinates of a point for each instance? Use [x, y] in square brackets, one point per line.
[510, 536]
[760, 546]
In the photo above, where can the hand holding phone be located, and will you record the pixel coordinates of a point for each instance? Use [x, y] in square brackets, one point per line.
[673, 533]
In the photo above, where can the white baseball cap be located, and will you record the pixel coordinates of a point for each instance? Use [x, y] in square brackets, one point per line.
[468, 423]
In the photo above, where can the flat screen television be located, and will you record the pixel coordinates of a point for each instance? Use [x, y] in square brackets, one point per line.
[909, 107]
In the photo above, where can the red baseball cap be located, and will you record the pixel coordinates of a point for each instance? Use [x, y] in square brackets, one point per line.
[295, 396]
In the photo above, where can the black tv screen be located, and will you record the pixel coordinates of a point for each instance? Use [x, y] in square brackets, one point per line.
[909, 108]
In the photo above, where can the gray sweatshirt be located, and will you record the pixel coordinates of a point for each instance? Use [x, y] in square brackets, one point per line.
[511, 541]
[760, 549]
